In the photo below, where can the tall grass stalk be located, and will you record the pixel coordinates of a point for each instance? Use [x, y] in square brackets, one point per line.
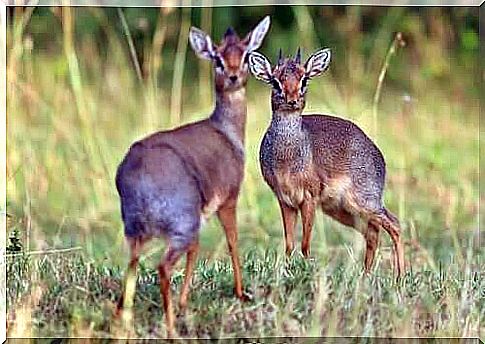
[131, 45]
[157, 45]
[396, 43]
[305, 24]
[179, 66]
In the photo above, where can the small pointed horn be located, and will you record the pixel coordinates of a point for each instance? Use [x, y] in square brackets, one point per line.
[280, 56]
[298, 55]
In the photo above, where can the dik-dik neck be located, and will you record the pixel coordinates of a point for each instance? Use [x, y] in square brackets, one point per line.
[229, 115]
[287, 126]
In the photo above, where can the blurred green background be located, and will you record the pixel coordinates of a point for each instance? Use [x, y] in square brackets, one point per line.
[84, 83]
[76, 103]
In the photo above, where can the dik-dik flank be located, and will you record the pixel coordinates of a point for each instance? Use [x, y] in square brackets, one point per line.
[172, 180]
[312, 161]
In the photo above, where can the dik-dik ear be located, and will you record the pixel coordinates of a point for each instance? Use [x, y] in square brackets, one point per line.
[254, 39]
[201, 43]
[317, 63]
[260, 67]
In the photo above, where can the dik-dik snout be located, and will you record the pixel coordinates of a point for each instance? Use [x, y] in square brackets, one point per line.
[289, 78]
[230, 56]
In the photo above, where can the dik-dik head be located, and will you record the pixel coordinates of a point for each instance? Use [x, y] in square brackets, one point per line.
[230, 57]
[289, 78]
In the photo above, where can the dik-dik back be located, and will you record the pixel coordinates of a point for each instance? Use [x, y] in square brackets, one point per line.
[318, 160]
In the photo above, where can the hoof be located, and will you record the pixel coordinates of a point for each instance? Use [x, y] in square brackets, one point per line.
[245, 297]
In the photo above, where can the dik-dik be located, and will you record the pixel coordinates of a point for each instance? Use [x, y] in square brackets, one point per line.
[171, 181]
[316, 160]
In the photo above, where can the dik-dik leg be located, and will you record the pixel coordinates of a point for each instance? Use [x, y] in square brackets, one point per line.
[307, 217]
[372, 242]
[165, 272]
[189, 269]
[129, 285]
[391, 225]
[227, 217]
[289, 216]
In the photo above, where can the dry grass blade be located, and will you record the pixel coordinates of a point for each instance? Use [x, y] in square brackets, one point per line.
[131, 45]
[396, 43]
[179, 66]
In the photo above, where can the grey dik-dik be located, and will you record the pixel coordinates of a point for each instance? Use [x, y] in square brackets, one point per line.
[171, 181]
[317, 160]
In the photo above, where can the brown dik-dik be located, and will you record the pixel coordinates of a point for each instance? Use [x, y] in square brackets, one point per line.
[322, 161]
[172, 180]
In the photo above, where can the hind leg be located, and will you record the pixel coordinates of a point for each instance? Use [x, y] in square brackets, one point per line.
[189, 269]
[391, 225]
[182, 237]
[128, 293]
[165, 273]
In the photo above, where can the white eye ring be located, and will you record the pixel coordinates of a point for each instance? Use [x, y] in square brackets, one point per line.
[218, 62]
[277, 85]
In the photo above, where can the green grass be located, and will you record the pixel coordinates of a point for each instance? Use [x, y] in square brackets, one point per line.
[293, 297]
[72, 115]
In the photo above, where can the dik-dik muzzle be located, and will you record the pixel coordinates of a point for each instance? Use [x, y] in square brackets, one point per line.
[230, 56]
[289, 77]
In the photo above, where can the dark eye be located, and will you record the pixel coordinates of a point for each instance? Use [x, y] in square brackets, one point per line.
[276, 85]
[304, 83]
[219, 63]
[246, 58]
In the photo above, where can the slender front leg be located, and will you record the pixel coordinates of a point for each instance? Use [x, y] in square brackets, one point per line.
[165, 272]
[307, 216]
[189, 269]
[289, 215]
[227, 217]
[372, 242]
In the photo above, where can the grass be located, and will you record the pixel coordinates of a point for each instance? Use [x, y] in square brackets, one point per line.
[292, 297]
[73, 115]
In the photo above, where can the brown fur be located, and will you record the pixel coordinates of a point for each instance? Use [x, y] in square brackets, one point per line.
[171, 181]
[320, 160]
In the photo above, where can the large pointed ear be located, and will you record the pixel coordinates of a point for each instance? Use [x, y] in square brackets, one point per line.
[201, 43]
[260, 67]
[255, 38]
[317, 63]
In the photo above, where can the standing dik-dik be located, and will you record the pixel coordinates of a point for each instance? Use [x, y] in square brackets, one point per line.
[172, 180]
[319, 160]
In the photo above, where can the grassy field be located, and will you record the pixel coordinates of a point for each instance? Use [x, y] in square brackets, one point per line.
[72, 115]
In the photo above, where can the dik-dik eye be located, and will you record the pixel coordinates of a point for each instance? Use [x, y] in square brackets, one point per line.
[276, 85]
[218, 62]
[303, 84]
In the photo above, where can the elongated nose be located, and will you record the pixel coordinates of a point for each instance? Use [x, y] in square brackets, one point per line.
[233, 78]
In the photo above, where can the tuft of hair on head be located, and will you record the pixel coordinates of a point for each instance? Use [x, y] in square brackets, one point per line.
[230, 34]
[297, 58]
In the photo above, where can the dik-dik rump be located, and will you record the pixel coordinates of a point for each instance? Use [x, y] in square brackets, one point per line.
[316, 160]
[172, 180]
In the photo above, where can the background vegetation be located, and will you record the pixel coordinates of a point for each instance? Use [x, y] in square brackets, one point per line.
[84, 83]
